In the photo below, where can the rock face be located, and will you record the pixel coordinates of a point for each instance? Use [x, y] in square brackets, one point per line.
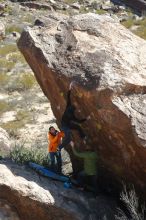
[4, 142]
[35, 197]
[7, 212]
[37, 5]
[108, 63]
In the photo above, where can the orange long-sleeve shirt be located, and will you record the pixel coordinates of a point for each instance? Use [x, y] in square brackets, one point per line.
[54, 141]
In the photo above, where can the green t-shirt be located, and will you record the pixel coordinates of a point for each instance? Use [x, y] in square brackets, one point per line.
[90, 161]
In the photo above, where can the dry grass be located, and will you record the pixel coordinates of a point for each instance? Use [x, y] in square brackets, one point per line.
[141, 26]
[23, 155]
[131, 201]
[3, 79]
[100, 11]
[4, 106]
[17, 57]
[26, 81]
[13, 28]
[6, 49]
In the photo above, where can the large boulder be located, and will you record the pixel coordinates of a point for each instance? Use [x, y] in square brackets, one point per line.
[108, 63]
[37, 198]
[36, 5]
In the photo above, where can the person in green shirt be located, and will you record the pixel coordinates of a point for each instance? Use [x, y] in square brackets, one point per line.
[90, 167]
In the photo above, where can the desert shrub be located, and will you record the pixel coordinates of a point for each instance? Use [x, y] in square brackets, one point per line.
[23, 155]
[141, 26]
[13, 28]
[141, 32]
[16, 57]
[21, 119]
[128, 23]
[101, 11]
[22, 115]
[4, 106]
[129, 11]
[8, 9]
[6, 65]
[12, 127]
[28, 18]
[27, 81]
[3, 79]
[131, 201]
[21, 83]
[83, 10]
[6, 49]
[142, 22]
[70, 1]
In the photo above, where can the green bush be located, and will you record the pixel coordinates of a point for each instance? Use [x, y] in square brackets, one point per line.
[4, 106]
[23, 155]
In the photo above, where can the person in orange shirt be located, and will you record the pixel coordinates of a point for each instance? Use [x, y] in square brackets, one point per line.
[54, 138]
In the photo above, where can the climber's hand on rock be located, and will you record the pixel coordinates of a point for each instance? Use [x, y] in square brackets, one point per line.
[72, 144]
[88, 118]
[71, 85]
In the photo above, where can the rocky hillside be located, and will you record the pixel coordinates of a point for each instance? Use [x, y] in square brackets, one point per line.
[20, 96]
[24, 111]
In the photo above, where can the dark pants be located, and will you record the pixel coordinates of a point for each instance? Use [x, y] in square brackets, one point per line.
[57, 156]
[87, 181]
[76, 126]
[67, 132]
[67, 137]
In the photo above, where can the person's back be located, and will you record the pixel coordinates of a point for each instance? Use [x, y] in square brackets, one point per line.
[90, 167]
[90, 162]
[54, 138]
[68, 115]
